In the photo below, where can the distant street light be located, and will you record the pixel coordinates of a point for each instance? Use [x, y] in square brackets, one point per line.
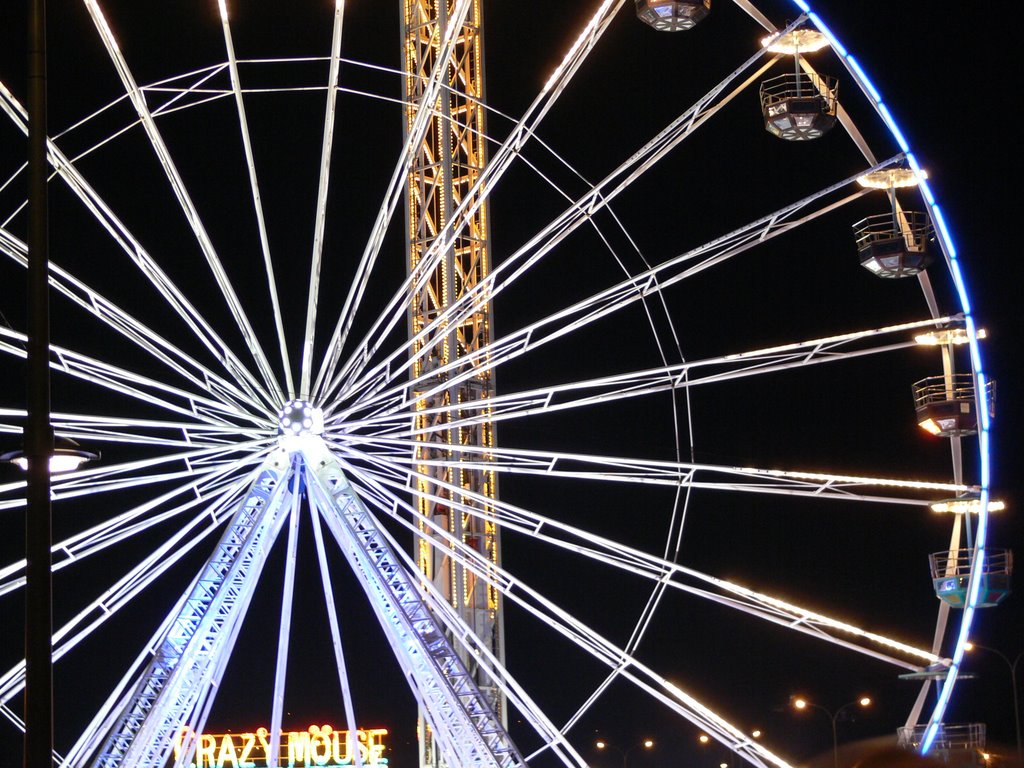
[704, 739]
[645, 744]
[1013, 684]
[801, 703]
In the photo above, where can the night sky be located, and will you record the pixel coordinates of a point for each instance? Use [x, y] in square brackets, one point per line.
[952, 82]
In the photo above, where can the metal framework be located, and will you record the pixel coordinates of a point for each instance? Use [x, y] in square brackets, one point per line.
[443, 178]
[407, 442]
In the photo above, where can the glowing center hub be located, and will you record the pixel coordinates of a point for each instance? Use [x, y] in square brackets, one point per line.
[299, 417]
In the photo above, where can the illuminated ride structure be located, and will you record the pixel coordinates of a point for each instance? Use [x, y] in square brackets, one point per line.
[219, 457]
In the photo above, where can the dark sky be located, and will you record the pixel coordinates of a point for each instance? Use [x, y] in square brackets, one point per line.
[950, 82]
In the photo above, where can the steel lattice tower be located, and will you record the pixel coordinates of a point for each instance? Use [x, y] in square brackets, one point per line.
[448, 162]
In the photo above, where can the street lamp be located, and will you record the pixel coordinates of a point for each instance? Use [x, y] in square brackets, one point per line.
[704, 740]
[1013, 683]
[38, 699]
[644, 744]
[802, 703]
[66, 456]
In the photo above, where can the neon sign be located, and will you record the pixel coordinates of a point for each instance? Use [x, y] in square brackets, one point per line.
[319, 745]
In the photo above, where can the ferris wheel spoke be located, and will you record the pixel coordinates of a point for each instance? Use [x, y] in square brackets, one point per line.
[132, 329]
[170, 434]
[598, 198]
[204, 484]
[199, 527]
[580, 211]
[111, 477]
[122, 381]
[138, 254]
[639, 383]
[618, 469]
[416, 129]
[582, 313]
[662, 570]
[176, 100]
[321, 198]
[257, 201]
[522, 132]
[181, 193]
[565, 623]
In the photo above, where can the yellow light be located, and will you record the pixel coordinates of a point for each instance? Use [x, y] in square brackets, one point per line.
[929, 425]
[892, 178]
[600, 745]
[703, 738]
[947, 336]
[888, 482]
[648, 743]
[800, 703]
[795, 41]
[865, 701]
[966, 506]
[968, 646]
[756, 733]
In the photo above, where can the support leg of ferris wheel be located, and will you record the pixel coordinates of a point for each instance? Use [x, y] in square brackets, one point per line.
[178, 679]
[466, 726]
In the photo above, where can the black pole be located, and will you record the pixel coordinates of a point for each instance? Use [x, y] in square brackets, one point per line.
[38, 433]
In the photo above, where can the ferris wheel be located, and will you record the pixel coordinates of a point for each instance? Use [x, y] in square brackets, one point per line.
[732, 352]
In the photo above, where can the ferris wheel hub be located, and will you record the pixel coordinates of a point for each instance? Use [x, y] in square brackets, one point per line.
[300, 417]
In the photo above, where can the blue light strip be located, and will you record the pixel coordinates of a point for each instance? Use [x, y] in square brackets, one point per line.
[980, 379]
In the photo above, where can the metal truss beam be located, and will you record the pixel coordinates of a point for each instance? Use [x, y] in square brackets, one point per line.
[187, 660]
[467, 728]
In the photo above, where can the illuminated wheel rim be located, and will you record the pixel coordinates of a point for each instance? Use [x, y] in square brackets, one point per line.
[365, 429]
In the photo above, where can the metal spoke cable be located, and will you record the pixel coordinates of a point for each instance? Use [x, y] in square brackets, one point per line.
[585, 207]
[414, 137]
[320, 218]
[609, 552]
[606, 652]
[125, 382]
[588, 467]
[124, 525]
[134, 330]
[609, 300]
[136, 252]
[268, 265]
[184, 199]
[329, 378]
[638, 383]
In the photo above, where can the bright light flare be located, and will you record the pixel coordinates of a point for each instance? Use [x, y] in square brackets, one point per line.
[955, 336]
[795, 41]
[966, 506]
[578, 45]
[893, 178]
[58, 463]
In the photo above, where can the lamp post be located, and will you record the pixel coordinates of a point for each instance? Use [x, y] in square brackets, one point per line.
[1013, 683]
[38, 433]
[602, 745]
[802, 703]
